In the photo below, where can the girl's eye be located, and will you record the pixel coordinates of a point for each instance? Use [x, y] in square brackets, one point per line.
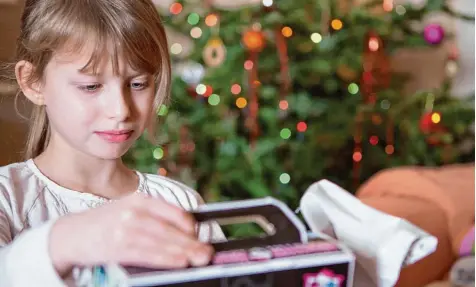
[139, 85]
[90, 88]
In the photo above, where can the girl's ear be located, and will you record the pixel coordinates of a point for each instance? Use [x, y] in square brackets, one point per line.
[31, 89]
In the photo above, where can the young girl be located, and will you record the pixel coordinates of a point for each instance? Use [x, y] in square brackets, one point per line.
[96, 72]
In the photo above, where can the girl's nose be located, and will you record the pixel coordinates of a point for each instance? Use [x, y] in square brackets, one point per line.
[119, 105]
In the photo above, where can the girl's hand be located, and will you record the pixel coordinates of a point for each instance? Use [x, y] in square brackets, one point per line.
[133, 231]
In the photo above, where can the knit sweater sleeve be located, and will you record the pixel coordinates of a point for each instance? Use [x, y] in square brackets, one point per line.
[24, 259]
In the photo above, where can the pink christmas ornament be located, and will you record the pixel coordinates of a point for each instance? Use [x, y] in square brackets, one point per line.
[433, 34]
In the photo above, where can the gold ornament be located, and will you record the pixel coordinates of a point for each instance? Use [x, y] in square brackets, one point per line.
[214, 53]
[346, 73]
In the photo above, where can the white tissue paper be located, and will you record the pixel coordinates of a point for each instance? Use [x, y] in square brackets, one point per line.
[382, 243]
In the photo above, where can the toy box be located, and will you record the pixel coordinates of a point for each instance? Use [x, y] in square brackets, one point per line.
[288, 256]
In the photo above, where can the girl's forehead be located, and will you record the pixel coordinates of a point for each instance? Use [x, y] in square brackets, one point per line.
[90, 60]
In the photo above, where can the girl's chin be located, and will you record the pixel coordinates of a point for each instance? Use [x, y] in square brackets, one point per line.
[113, 152]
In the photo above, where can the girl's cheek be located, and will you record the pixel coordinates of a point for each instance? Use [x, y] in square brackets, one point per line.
[81, 109]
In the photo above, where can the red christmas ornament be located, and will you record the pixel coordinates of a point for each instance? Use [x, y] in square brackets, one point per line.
[208, 92]
[192, 91]
[253, 40]
[373, 140]
[425, 123]
[430, 122]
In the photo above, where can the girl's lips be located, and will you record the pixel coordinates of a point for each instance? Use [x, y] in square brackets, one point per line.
[115, 136]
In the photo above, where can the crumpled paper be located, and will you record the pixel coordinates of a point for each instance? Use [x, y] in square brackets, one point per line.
[382, 243]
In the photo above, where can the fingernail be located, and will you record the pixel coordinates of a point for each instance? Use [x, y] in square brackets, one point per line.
[201, 258]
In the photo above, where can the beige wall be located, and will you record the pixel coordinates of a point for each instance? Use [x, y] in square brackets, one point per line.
[10, 14]
[12, 128]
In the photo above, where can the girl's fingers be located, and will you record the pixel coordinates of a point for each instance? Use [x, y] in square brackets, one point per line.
[175, 216]
[147, 251]
[143, 257]
[164, 232]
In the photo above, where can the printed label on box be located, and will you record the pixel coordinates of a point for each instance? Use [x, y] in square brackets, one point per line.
[325, 278]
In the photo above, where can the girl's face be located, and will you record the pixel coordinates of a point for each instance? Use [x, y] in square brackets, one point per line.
[98, 114]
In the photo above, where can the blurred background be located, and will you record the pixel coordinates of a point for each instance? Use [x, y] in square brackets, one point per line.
[269, 96]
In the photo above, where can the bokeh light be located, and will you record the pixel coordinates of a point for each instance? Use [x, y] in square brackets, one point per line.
[285, 133]
[283, 105]
[214, 100]
[373, 140]
[248, 65]
[267, 3]
[284, 178]
[158, 153]
[193, 19]
[357, 156]
[235, 89]
[201, 89]
[400, 10]
[316, 37]
[353, 88]
[196, 32]
[176, 48]
[208, 91]
[241, 102]
[176, 8]
[162, 171]
[337, 24]
[211, 20]
[435, 118]
[387, 5]
[389, 149]
[301, 127]
[373, 44]
[287, 32]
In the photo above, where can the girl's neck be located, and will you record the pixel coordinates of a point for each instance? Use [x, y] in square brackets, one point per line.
[84, 173]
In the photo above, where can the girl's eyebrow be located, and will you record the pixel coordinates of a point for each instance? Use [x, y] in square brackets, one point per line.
[129, 76]
[88, 72]
[139, 74]
[135, 74]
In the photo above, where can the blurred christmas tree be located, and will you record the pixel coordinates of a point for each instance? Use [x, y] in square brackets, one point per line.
[277, 96]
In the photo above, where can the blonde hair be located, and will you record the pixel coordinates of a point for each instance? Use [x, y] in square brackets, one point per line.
[132, 28]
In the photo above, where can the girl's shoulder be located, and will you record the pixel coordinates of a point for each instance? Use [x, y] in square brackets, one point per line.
[171, 190]
[13, 169]
[19, 185]
[16, 174]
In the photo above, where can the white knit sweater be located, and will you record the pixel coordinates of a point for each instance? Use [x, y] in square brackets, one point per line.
[29, 205]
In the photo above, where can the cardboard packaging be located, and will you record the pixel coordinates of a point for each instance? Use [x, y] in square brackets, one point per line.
[288, 256]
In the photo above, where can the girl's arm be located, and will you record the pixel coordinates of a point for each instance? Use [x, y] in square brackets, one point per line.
[24, 261]
[134, 231]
